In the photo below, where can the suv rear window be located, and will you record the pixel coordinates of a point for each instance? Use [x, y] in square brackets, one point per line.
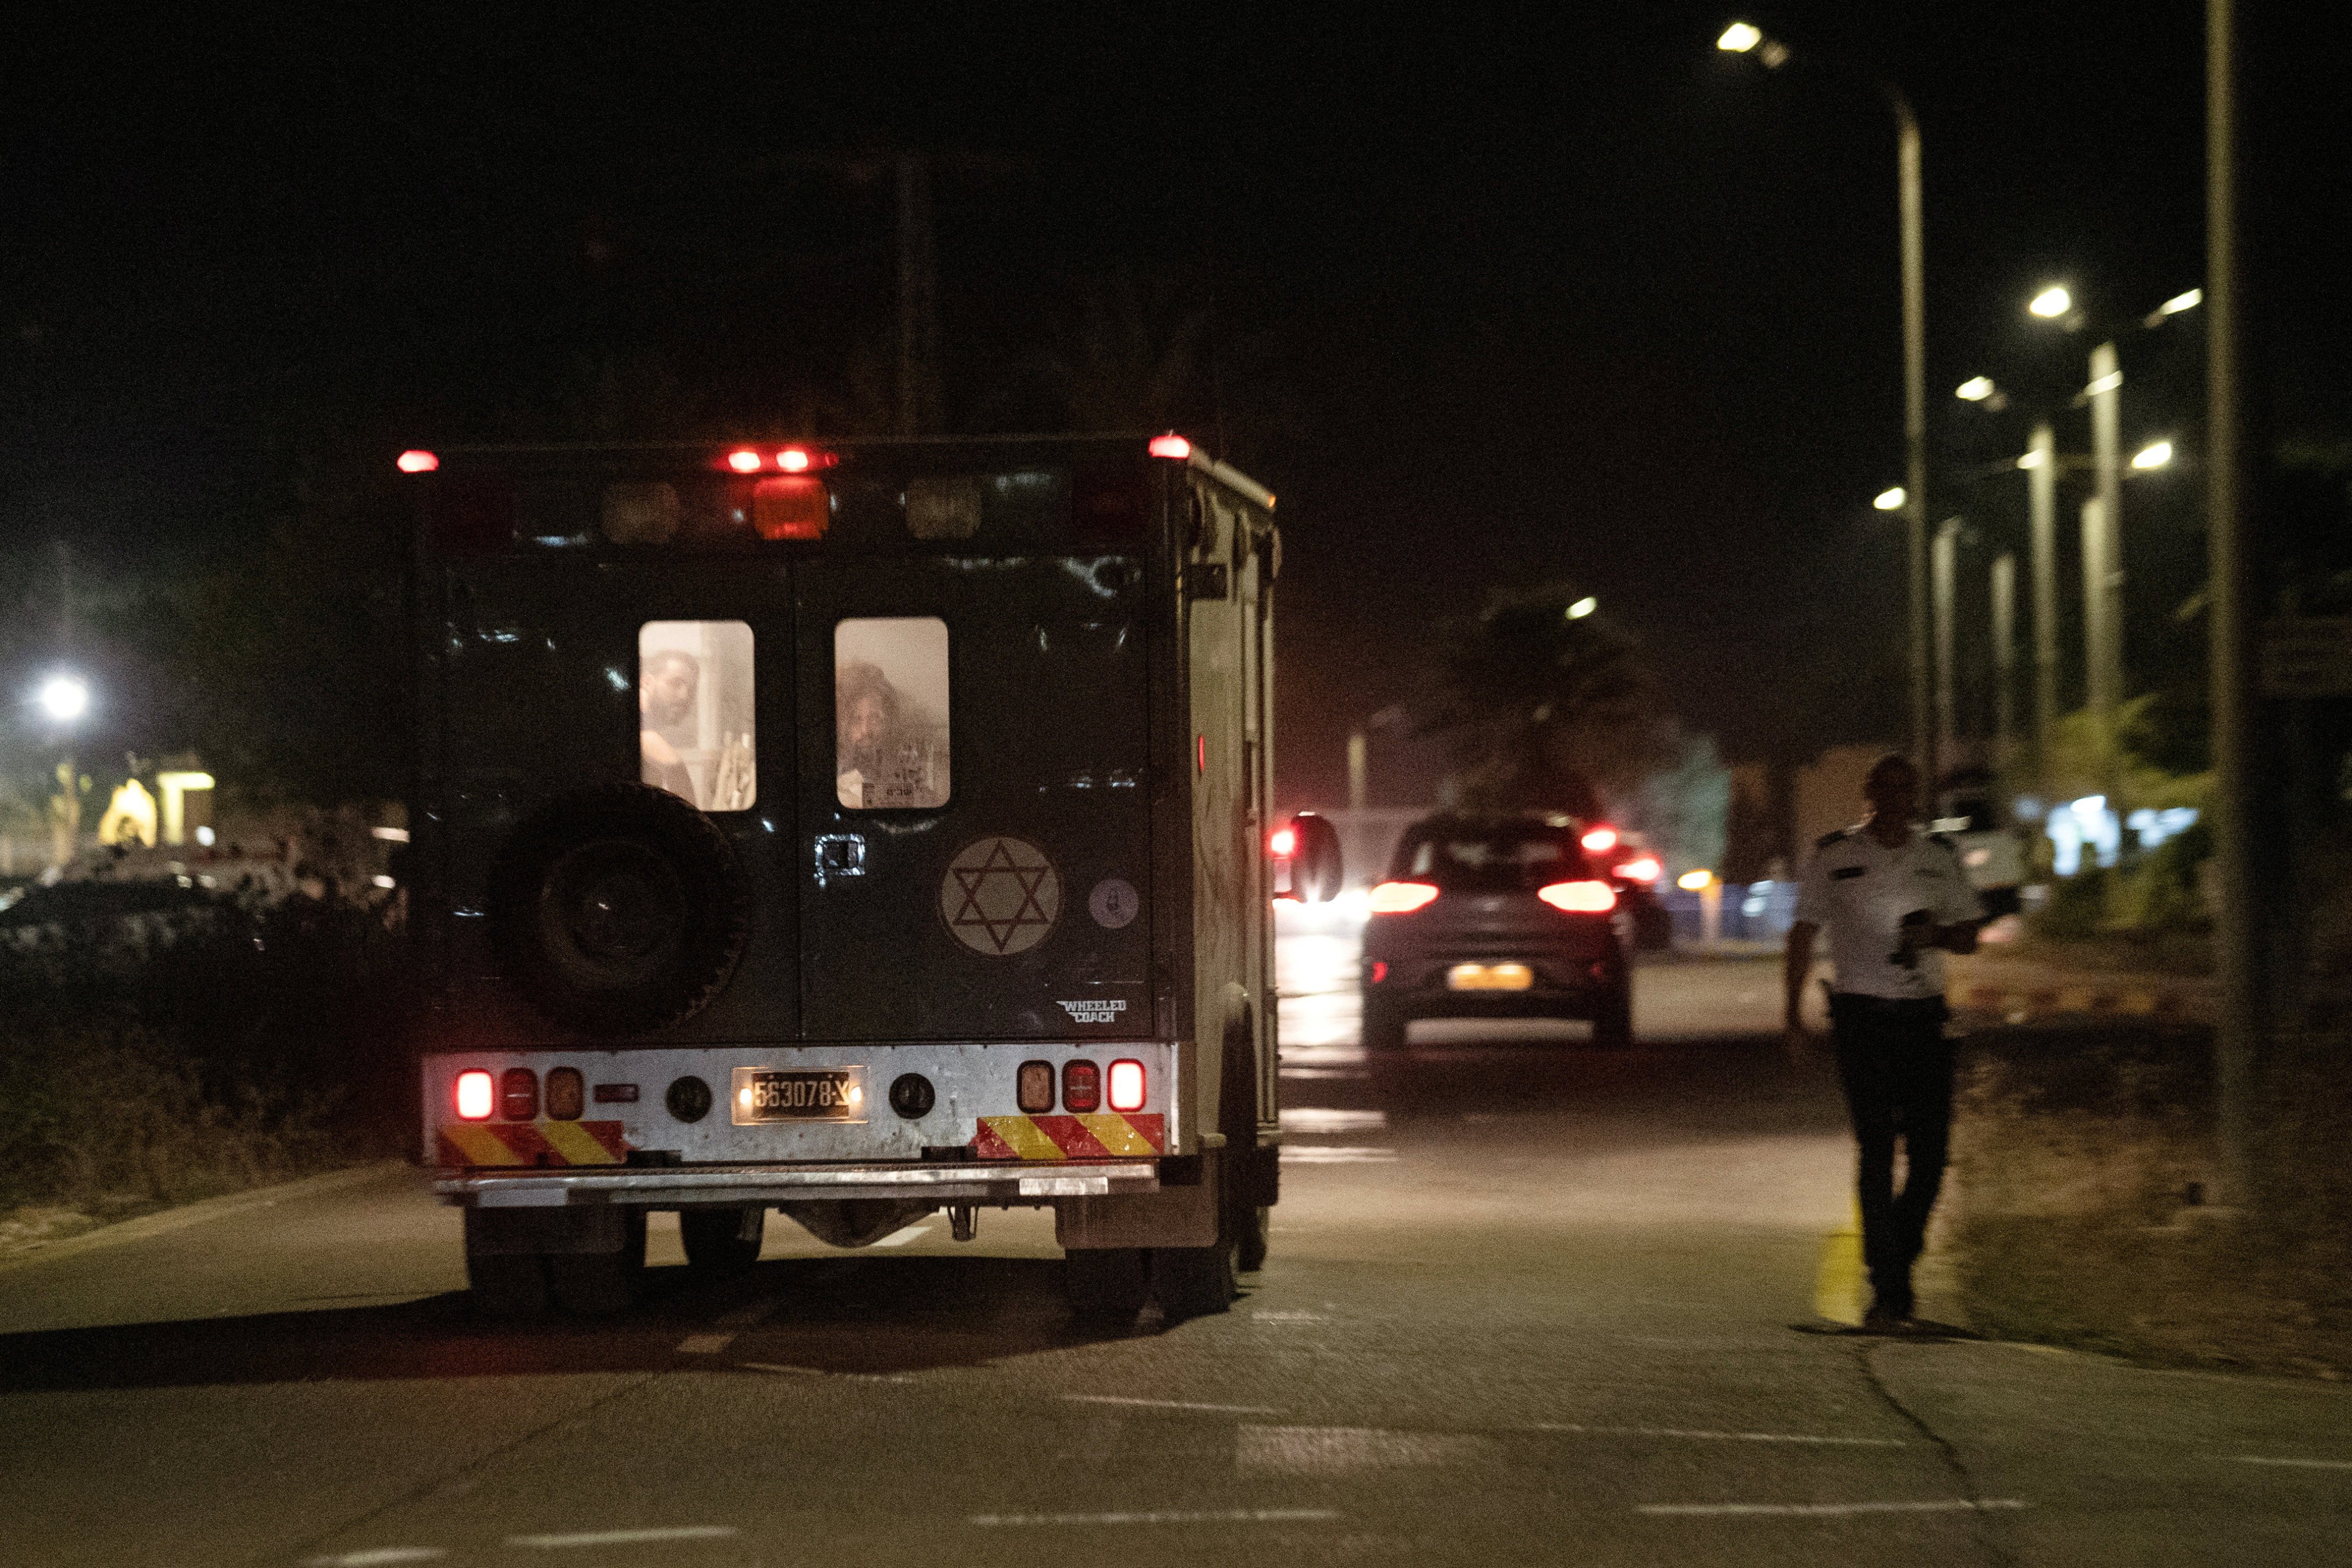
[1492, 857]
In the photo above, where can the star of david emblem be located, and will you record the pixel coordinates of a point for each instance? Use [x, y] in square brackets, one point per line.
[1001, 896]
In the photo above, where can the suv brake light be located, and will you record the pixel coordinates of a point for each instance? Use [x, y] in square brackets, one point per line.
[1579, 898]
[1399, 898]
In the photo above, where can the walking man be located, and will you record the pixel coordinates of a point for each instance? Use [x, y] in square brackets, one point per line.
[1894, 900]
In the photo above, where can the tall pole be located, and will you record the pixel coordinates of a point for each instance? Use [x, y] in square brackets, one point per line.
[2041, 488]
[2098, 696]
[2004, 655]
[1914, 418]
[1946, 574]
[2106, 387]
[1360, 784]
[2238, 949]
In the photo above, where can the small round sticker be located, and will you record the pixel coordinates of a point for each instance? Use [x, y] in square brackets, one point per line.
[1113, 903]
[1001, 896]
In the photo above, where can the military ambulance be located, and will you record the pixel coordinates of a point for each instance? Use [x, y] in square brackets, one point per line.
[855, 830]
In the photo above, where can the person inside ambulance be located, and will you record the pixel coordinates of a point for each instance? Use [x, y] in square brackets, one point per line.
[888, 750]
[667, 686]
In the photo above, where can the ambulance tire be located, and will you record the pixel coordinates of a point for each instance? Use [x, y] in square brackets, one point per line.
[723, 1242]
[1107, 1285]
[1252, 1175]
[1612, 1021]
[618, 910]
[1383, 1028]
[1194, 1282]
[1249, 1257]
[506, 1285]
[597, 1284]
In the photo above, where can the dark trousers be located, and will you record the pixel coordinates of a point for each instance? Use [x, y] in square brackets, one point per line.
[1897, 1067]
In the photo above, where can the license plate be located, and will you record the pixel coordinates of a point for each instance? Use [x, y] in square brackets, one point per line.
[799, 1094]
[1489, 977]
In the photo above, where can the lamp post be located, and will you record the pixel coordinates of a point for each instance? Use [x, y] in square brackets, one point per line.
[64, 699]
[1745, 38]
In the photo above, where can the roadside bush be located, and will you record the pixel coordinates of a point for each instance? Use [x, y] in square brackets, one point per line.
[141, 1064]
[2077, 907]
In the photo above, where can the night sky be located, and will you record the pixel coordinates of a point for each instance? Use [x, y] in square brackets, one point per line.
[1487, 295]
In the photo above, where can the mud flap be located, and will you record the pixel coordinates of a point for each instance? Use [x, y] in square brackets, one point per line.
[1172, 1217]
[509, 1233]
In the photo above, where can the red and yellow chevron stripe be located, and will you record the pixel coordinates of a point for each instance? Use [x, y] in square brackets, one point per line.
[533, 1143]
[1105, 1135]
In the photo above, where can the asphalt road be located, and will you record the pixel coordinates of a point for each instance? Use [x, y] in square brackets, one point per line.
[1528, 1302]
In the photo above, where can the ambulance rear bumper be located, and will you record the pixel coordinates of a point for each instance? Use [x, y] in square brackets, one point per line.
[667, 1187]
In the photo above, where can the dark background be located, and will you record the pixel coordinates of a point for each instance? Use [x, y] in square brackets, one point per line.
[1485, 294]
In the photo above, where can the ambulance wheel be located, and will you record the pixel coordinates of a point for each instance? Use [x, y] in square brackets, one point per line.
[1194, 1282]
[506, 1285]
[1249, 1257]
[594, 1284]
[1383, 1028]
[618, 910]
[1107, 1285]
[1612, 1023]
[721, 1242]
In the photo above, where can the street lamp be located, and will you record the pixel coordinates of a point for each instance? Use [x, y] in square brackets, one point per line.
[2155, 455]
[1976, 389]
[2052, 304]
[1582, 608]
[1745, 38]
[1890, 498]
[64, 698]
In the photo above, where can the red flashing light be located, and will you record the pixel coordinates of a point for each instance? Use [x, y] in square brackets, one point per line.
[1171, 446]
[1126, 1086]
[1081, 1087]
[744, 462]
[1399, 898]
[793, 461]
[1380, 970]
[1200, 753]
[1600, 840]
[418, 462]
[1579, 898]
[1284, 844]
[474, 1095]
[1643, 870]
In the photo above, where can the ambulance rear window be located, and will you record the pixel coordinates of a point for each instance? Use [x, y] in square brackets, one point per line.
[695, 713]
[890, 708]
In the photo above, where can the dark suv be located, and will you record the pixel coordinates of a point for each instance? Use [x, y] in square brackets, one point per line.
[1494, 917]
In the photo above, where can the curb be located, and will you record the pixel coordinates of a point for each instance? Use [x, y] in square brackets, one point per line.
[163, 1222]
[2018, 1006]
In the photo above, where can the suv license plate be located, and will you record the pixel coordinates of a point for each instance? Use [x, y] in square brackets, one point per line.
[1489, 977]
[799, 1094]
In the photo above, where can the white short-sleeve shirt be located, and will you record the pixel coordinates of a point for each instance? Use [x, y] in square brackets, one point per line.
[1858, 890]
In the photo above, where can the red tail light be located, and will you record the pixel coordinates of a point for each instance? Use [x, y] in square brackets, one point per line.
[1283, 845]
[1081, 1087]
[417, 462]
[1126, 1086]
[1579, 898]
[1380, 970]
[1034, 1090]
[1399, 898]
[1645, 870]
[475, 1096]
[518, 1094]
[1170, 446]
[1600, 840]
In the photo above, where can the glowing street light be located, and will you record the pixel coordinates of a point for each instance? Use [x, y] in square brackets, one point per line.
[64, 698]
[2051, 303]
[1976, 389]
[2155, 455]
[2188, 299]
[1891, 499]
[1740, 38]
[1582, 608]
[2033, 459]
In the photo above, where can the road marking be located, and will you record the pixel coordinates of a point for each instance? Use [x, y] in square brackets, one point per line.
[1312, 1120]
[1822, 1510]
[627, 1537]
[704, 1344]
[2295, 1464]
[1169, 1403]
[914, 1232]
[1698, 1435]
[1288, 1317]
[379, 1557]
[1183, 1516]
[1339, 1450]
[820, 1372]
[1311, 1154]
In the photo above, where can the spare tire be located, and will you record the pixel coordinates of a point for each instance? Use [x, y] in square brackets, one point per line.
[618, 910]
